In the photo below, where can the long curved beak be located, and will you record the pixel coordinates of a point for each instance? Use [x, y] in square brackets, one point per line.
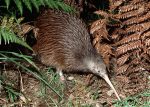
[105, 77]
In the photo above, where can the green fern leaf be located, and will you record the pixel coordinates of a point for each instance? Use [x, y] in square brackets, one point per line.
[48, 3]
[65, 7]
[26, 58]
[57, 4]
[4, 36]
[54, 4]
[28, 4]
[21, 42]
[35, 4]
[41, 2]
[10, 37]
[7, 3]
[19, 5]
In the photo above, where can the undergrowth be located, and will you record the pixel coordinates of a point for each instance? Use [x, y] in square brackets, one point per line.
[124, 39]
[13, 30]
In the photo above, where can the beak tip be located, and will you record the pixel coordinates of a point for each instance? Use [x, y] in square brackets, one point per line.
[112, 87]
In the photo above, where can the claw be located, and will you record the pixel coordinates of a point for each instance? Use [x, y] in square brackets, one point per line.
[62, 78]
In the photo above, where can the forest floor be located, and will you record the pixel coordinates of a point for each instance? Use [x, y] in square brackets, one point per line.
[80, 90]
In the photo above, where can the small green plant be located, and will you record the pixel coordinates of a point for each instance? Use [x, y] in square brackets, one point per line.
[95, 95]
[135, 101]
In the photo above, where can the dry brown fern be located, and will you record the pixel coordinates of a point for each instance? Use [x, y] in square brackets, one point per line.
[133, 2]
[114, 36]
[130, 14]
[26, 28]
[138, 28]
[106, 51]
[147, 42]
[99, 32]
[98, 25]
[122, 69]
[128, 47]
[129, 40]
[145, 35]
[136, 20]
[115, 3]
[133, 46]
[122, 59]
[129, 8]
[135, 31]
[147, 51]
[103, 13]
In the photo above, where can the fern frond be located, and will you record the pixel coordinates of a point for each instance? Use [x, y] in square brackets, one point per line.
[65, 7]
[96, 39]
[122, 59]
[102, 13]
[145, 35]
[115, 4]
[98, 24]
[127, 8]
[136, 20]
[105, 51]
[35, 4]
[135, 60]
[119, 32]
[114, 36]
[130, 46]
[26, 28]
[131, 42]
[9, 27]
[57, 4]
[147, 42]
[138, 28]
[7, 3]
[98, 29]
[146, 57]
[28, 4]
[136, 1]
[19, 5]
[147, 50]
[129, 38]
[42, 2]
[146, 26]
[122, 68]
[10, 37]
[102, 33]
[130, 14]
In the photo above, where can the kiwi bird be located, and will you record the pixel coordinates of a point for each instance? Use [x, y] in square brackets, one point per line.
[64, 42]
